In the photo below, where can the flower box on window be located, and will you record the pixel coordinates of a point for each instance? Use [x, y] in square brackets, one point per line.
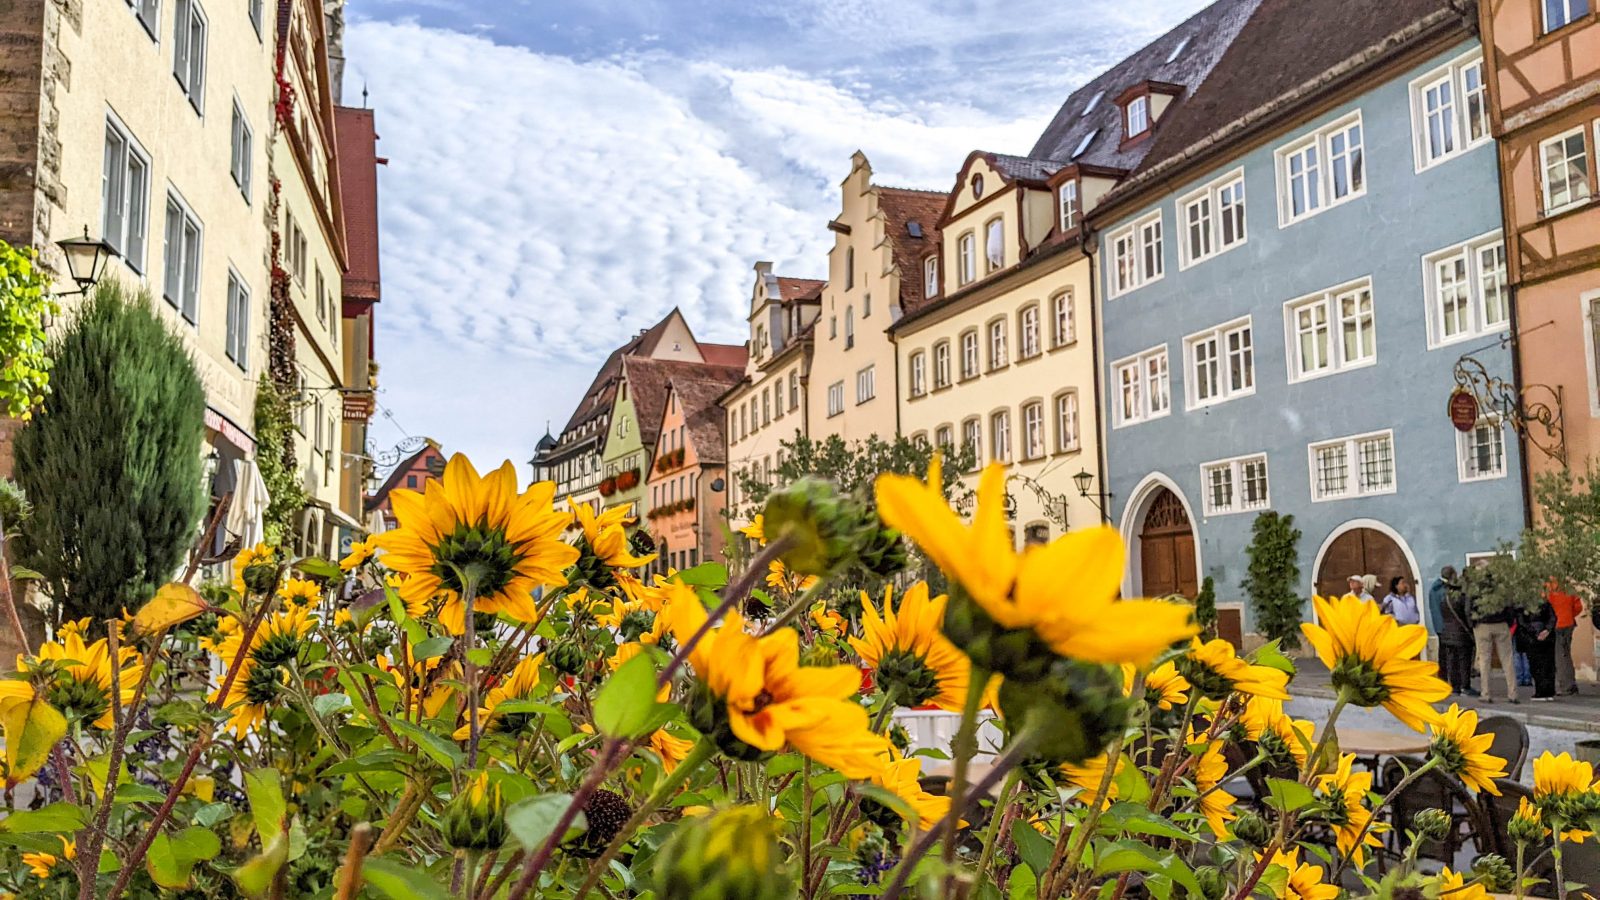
[608, 486]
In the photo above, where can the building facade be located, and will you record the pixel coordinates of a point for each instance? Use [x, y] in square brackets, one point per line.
[874, 278]
[412, 474]
[362, 290]
[996, 357]
[1543, 80]
[769, 405]
[1282, 326]
[686, 490]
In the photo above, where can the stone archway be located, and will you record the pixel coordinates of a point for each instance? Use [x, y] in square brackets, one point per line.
[1167, 562]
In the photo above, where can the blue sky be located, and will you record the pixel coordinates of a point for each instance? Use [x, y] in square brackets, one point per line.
[563, 172]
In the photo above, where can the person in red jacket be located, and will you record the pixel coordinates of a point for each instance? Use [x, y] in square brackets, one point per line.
[1567, 608]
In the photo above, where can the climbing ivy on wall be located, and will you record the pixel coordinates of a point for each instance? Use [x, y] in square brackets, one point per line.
[25, 302]
[275, 457]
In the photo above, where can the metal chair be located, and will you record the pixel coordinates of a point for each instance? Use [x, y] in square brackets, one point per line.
[1510, 742]
[1433, 790]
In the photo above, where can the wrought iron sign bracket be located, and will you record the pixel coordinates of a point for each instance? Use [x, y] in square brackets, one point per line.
[1534, 412]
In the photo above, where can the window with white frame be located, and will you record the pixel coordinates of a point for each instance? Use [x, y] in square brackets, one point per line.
[1028, 332]
[181, 278]
[972, 436]
[237, 343]
[1063, 320]
[1000, 436]
[1069, 205]
[941, 364]
[1136, 252]
[1561, 13]
[1221, 363]
[930, 276]
[1033, 430]
[835, 398]
[322, 293]
[240, 163]
[969, 354]
[1067, 422]
[148, 12]
[1481, 452]
[994, 245]
[1138, 116]
[1320, 170]
[1212, 219]
[866, 389]
[918, 367]
[1466, 290]
[794, 390]
[1449, 110]
[125, 195]
[189, 52]
[1331, 331]
[1235, 485]
[944, 438]
[1356, 466]
[1143, 386]
[998, 356]
[1564, 169]
[297, 250]
[967, 258]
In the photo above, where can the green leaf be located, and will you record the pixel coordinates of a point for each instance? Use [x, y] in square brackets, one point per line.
[319, 568]
[265, 792]
[712, 575]
[626, 706]
[1024, 884]
[401, 881]
[171, 860]
[326, 705]
[369, 762]
[211, 814]
[439, 749]
[532, 820]
[1286, 795]
[57, 817]
[1139, 820]
[1131, 856]
[23, 573]
[255, 876]
[135, 792]
[1034, 848]
[32, 727]
[784, 763]
[438, 645]
[481, 656]
[1269, 656]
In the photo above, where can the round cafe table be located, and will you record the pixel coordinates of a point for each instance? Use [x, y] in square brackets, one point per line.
[1370, 745]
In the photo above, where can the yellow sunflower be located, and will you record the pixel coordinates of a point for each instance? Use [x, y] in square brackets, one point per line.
[518, 684]
[1345, 793]
[901, 778]
[1528, 820]
[780, 579]
[82, 687]
[1373, 659]
[254, 689]
[1215, 669]
[1088, 775]
[634, 620]
[300, 591]
[1216, 804]
[1463, 752]
[826, 620]
[428, 688]
[756, 530]
[765, 699]
[671, 748]
[277, 640]
[466, 526]
[1164, 688]
[607, 535]
[263, 555]
[1302, 881]
[908, 653]
[1064, 592]
[360, 552]
[1456, 886]
[40, 865]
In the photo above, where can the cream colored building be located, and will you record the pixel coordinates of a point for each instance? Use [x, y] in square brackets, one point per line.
[150, 132]
[308, 225]
[999, 353]
[769, 406]
[874, 277]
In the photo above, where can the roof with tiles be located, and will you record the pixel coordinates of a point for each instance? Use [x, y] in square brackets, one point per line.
[799, 288]
[901, 208]
[725, 354]
[1023, 167]
[1088, 127]
[597, 400]
[648, 380]
[1276, 62]
[703, 417]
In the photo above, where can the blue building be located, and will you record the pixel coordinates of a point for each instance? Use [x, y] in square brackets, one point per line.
[1287, 281]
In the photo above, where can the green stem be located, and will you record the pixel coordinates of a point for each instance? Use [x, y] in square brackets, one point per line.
[1521, 868]
[965, 746]
[664, 790]
[1315, 758]
[1078, 841]
[992, 834]
[802, 602]
[1555, 853]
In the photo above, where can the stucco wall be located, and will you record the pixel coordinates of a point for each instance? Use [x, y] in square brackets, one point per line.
[1383, 235]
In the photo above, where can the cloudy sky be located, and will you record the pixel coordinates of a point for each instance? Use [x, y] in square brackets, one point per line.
[563, 172]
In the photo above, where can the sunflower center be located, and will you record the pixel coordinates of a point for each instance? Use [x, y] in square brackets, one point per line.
[262, 685]
[478, 551]
[514, 723]
[85, 699]
[1364, 682]
[908, 676]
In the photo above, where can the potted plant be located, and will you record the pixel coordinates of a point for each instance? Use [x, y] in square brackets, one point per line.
[608, 486]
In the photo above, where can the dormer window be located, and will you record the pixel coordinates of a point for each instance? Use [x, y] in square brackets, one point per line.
[1138, 116]
[1069, 206]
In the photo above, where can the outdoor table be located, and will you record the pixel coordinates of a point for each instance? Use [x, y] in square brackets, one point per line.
[1370, 745]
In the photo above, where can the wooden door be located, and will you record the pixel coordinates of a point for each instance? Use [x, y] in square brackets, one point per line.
[1361, 551]
[1166, 550]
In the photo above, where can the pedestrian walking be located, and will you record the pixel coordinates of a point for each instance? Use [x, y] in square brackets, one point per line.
[1491, 633]
[1451, 621]
[1401, 603]
[1536, 636]
[1568, 607]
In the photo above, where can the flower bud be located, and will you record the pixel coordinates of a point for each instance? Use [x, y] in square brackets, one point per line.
[1213, 882]
[1018, 654]
[566, 657]
[708, 713]
[1431, 824]
[1252, 829]
[728, 855]
[1525, 829]
[1497, 874]
[1074, 712]
[821, 526]
[476, 817]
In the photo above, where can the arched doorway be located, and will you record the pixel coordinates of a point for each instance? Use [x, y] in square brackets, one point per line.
[1362, 550]
[1166, 549]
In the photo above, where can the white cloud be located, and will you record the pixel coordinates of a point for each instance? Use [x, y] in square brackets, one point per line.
[537, 210]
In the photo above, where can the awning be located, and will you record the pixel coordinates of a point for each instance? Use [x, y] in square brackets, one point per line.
[230, 432]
